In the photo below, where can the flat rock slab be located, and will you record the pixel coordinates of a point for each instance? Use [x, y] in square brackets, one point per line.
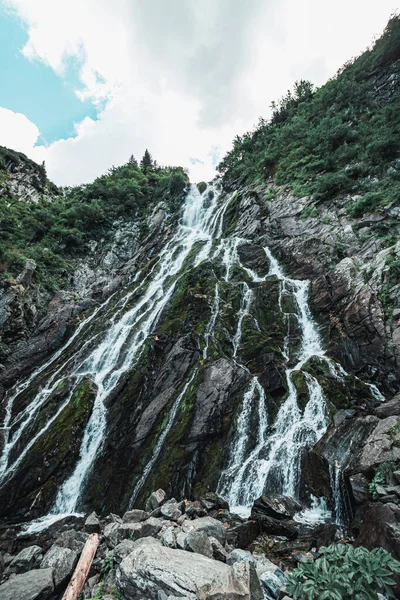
[33, 585]
[153, 571]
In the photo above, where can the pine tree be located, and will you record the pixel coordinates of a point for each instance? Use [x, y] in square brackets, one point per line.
[132, 161]
[146, 164]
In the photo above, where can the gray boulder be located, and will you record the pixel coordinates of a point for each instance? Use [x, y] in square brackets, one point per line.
[271, 585]
[153, 571]
[171, 511]
[155, 500]
[114, 533]
[135, 516]
[27, 559]
[33, 585]
[62, 561]
[167, 537]
[122, 550]
[74, 540]
[210, 526]
[240, 556]
[92, 523]
[198, 541]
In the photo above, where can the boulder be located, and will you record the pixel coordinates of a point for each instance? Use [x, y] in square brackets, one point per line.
[27, 559]
[167, 537]
[122, 550]
[276, 527]
[240, 556]
[389, 409]
[92, 523]
[155, 500]
[241, 536]
[271, 585]
[359, 488]
[62, 561]
[276, 506]
[135, 516]
[199, 542]
[219, 552]
[210, 526]
[211, 501]
[114, 533]
[170, 510]
[195, 509]
[33, 585]
[153, 571]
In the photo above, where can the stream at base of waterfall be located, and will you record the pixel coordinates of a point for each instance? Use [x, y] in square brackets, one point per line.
[274, 460]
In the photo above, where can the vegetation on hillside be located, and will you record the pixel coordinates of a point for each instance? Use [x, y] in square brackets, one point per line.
[56, 230]
[341, 138]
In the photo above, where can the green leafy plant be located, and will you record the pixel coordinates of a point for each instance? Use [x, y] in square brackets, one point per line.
[381, 477]
[343, 572]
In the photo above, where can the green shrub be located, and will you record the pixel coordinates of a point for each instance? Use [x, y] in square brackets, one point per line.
[324, 141]
[343, 572]
[309, 211]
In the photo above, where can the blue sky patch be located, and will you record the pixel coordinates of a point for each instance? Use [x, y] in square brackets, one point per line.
[34, 89]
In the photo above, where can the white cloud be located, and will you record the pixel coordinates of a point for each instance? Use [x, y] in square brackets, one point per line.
[17, 131]
[182, 78]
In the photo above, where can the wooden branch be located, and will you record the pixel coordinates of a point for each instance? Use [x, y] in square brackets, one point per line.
[78, 579]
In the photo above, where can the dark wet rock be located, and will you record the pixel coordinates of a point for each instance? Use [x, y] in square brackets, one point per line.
[324, 535]
[377, 525]
[195, 510]
[360, 488]
[243, 535]
[29, 558]
[33, 585]
[275, 506]
[199, 542]
[62, 561]
[155, 500]
[153, 571]
[212, 501]
[210, 526]
[254, 258]
[135, 516]
[92, 523]
[277, 527]
[390, 408]
[219, 552]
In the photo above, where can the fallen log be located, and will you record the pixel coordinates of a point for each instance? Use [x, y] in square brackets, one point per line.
[78, 579]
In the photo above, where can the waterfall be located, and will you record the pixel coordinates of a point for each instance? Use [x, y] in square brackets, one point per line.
[263, 455]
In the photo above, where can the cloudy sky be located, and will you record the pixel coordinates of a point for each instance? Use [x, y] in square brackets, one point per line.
[86, 83]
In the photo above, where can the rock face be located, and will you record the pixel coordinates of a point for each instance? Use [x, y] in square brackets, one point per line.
[152, 570]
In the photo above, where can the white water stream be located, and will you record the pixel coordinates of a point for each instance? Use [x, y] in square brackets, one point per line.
[265, 456]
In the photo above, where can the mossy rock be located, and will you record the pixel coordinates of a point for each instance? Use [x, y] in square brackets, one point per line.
[202, 186]
[51, 458]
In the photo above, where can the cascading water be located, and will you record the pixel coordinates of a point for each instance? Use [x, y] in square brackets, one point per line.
[116, 353]
[264, 457]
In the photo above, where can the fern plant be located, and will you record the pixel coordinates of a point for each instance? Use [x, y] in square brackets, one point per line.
[343, 572]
